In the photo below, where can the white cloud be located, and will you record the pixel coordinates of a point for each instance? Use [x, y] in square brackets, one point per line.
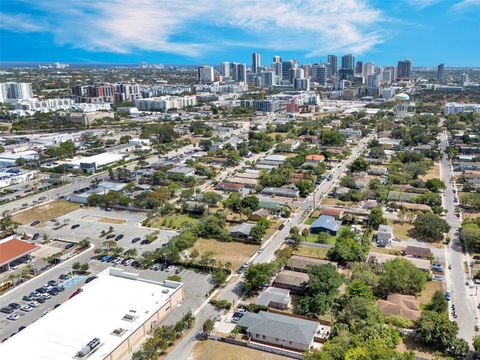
[124, 26]
[19, 23]
[464, 4]
[422, 4]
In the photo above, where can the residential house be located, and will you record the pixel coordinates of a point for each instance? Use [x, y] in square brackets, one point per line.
[317, 158]
[242, 231]
[361, 179]
[330, 211]
[418, 252]
[247, 182]
[275, 298]
[259, 214]
[302, 263]
[413, 206]
[182, 170]
[350, 132]
[280, 330]
[285, 192]
[325, 223]
[377, 170]
[406, 306]
[272, 160]
[229, 187]
[291, 280]
[472, 177]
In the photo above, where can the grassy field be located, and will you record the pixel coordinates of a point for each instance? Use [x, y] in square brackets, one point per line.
[334, 201]
[174, 221]
[45, 212]
[427, 293]
[434, 172]
[235, 252]
[400, 230]
[216, 350]
[309, 220]
[316, 252]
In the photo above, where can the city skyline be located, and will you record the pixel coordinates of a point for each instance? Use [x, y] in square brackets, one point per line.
[197, 33]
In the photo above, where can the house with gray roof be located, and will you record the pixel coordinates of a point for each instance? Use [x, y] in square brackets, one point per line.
[326, 223]
[275, 298]
[242, 231]
[280, 330]
[280, 191]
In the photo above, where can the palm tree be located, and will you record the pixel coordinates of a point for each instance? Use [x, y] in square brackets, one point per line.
[76, 267]
[26, 271]
[131, 253]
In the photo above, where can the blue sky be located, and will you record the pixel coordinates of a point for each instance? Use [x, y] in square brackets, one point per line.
[207, 32]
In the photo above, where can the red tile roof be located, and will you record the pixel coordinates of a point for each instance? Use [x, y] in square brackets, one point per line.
[13, 249]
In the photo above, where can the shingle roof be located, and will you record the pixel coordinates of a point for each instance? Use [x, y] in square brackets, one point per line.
[273, 294]
[398, 304]
[244, 228]
[418, 251]
[280, 326]
[291, 278]
[302, 262]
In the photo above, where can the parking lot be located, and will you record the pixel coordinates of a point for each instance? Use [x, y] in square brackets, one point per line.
[196, 286]
[92, 221]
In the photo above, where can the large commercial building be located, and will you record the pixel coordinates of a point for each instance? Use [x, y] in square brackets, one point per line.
[440, 70]
[319, 74]
[106, 321]
[457, 108]
[238, 72]
[287, 67]
[164, 103]
[11, 252]
[262, 105]
[225, 69]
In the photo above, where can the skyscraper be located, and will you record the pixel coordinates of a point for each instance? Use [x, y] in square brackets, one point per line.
[268, 79]
[319, 74]
[373, 85]
[440, 69]
[332, 60]
[17, 91]
[298, 73]
[369, 69]
[287, 67]
[205, 74]
[404, 69]
[256, 62]
[348, 61]
[359, 67]
[242, 72]
[277, 59]
[225, 69]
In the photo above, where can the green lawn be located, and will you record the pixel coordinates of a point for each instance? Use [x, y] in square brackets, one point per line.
[316, 252]
[331, 239]
[309, 221]
[174, 221]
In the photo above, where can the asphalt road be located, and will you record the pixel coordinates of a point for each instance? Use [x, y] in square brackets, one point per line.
[462, 296]
[233, 290]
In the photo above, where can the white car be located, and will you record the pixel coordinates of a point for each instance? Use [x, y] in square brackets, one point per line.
[26, 308]
[128, 262]
[46, 296]
[13, 317]
[33, 304]
[170, 268]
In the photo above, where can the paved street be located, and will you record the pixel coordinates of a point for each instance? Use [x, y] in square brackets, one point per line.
[462, 296]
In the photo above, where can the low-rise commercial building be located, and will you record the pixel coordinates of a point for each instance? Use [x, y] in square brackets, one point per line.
[119, 309]
[12, 251]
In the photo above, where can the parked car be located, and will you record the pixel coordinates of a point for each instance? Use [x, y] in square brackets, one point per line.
[170, 268]
[33, 304]
[74, 226]
[69, 245]
[6, 310]
[119, 237]
[13, 317]
[15, 306]
[26, 308]
[281, 227]
[91, 278]
[448, 296]
[178, 271]
[28, 298]
[136, 239]
[63, 277]
[110, 236]
[35, 223]
[76, 292]
[35, 236]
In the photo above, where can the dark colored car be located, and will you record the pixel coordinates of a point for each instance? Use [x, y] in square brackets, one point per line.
[119, 237]
[28, 298]
[36, 222]
[52, 283]
[63, 277]
[35, 236]
[110, 236]
[74, 226]
[56, 305]
[14, 306]
[68, 246]
[144, 241]
[178, 271]
[6, 310]
[134, 240]
[21, 328]
[53, 292]
[281, 226]
[91, 278]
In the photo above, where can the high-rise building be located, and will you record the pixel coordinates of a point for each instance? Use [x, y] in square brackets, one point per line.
[268, 79]
[465, 78]
[319, 74]
[16, 91]
[307, 69]
[359, 67]
[388, 74]
[440, 69]
[298, 73]
[241, 72]
[373, 85]
[205, 74]
[287, 67]
[127, 92]
[348, 61]
[404, 69]
[301, 84]
[277, 59]
[333, 61]
[225, 69]
[256, 62]
[277, 66]
[346, 74]
[368, 69]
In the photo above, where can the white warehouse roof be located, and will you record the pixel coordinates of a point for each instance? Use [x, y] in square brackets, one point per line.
[94, 313]
[99, 159]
